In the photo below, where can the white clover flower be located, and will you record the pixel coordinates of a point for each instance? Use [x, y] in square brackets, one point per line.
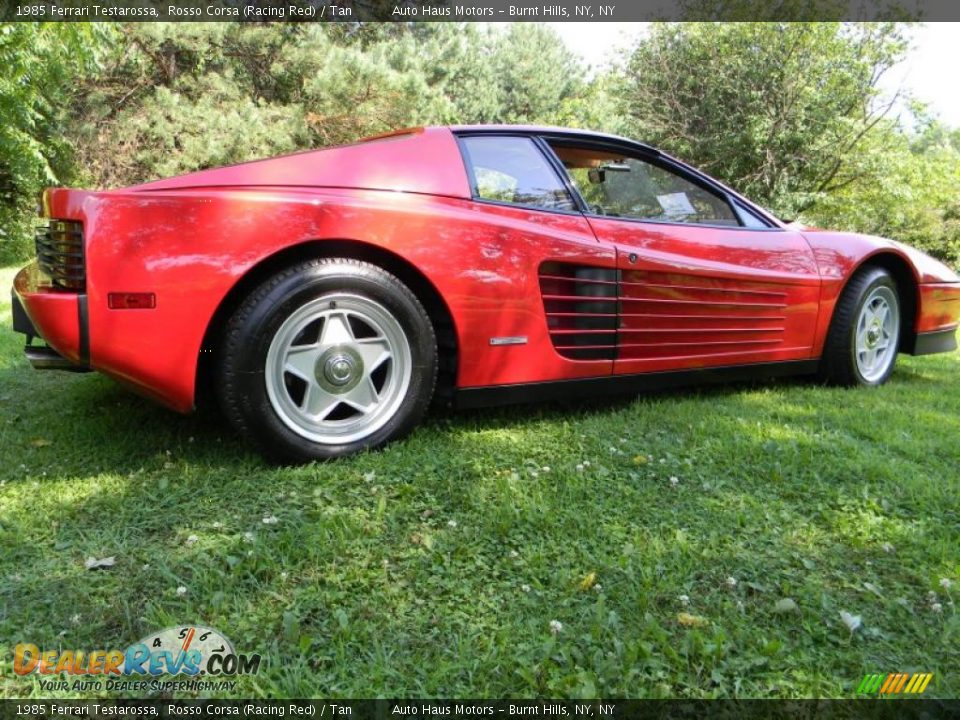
[731, 582]
[75, 618]
[674, 480]
[146, 566]
[597, 587]
[270, 520]
[887, 547]
[586, 463]
[514, 554]
[283, 575]
[192, 539]
[248, 537]
[937, 608]
[545, 468]
[451, 523]
[946, 583]
[217, 525]
[556, 627]
[534, 473]
[181, 591]
[684, 600]
[580, 467]
[851, 621]
[369, 476]
[525, 588]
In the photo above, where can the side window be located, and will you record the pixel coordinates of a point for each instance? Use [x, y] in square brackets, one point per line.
[747, 218]
[513, 170]
[629, 187]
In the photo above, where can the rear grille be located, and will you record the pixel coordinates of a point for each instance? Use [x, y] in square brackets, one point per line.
[581, 307]
[60, 254]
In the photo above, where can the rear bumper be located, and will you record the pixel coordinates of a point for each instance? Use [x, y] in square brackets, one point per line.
[57, 317]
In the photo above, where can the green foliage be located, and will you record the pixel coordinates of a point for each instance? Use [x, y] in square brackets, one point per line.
[914, 196]
[41, 64]
[780, 110]
[180, 98]
[788, 113]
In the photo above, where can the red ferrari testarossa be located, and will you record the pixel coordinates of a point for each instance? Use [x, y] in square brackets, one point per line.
[328, 296]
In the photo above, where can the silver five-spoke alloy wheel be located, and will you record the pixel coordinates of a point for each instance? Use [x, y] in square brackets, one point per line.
[877, 333]
[338, 368]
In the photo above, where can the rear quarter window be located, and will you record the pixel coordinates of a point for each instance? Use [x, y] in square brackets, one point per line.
[513, 170]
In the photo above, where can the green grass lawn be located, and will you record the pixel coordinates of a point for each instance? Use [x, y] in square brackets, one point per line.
[435, 567]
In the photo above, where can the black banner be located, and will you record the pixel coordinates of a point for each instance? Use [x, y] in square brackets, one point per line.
[353, 11]
[472, 709]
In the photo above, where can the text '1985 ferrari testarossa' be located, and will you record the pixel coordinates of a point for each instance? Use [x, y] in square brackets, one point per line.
[328, 296]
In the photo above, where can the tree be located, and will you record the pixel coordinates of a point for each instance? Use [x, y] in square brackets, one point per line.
[780, 110]
[915, 194]
[177, 98]
[41, 64]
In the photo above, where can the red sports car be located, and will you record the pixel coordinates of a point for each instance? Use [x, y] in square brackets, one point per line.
[327, 296]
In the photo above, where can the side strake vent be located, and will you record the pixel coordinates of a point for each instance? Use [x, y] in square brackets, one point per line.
[581, 308]
[60, 254]
[667, 314]
[606, 314]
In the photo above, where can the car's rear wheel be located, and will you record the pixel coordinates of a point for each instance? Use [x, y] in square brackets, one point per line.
[864, 337]
[326, 358]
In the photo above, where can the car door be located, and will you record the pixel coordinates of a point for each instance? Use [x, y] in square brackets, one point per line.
[703, 280]
[521, 285]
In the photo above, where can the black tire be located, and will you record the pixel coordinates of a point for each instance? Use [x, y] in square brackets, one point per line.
[256, 327]
[838, 364]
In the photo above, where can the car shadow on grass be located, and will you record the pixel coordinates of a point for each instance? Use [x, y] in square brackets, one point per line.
[128, 430]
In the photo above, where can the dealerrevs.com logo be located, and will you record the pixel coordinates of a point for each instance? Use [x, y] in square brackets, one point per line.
[187, 650]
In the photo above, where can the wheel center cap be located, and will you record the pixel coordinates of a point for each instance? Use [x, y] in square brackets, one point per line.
[339, 369]
[873, 335]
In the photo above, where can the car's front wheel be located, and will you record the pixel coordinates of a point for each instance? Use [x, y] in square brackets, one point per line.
[864, 337]
[326, 358]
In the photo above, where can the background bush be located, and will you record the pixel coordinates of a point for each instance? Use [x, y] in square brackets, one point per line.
[789, 114]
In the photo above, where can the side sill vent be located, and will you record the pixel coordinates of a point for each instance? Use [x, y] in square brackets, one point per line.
[581, 307]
